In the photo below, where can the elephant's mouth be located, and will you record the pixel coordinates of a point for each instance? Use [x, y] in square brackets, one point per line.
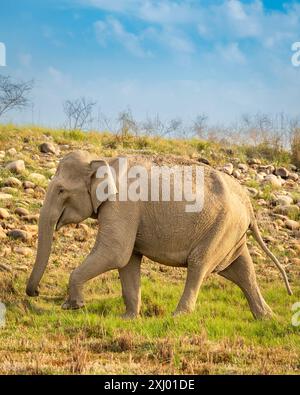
[59, 223]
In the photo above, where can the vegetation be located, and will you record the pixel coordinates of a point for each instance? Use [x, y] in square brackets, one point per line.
[219, 337]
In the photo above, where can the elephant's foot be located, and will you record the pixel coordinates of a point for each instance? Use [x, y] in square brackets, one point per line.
[72, 305]
[183, 310]
[130, 315]
[263, 313]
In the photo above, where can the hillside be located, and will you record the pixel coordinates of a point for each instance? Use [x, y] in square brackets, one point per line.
[219, 337]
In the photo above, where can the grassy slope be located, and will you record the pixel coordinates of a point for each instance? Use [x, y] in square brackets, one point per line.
[219, 337]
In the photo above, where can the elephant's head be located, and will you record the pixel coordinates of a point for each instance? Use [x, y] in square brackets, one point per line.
[70, 198]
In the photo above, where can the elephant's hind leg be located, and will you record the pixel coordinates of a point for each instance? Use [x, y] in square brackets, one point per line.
[130, 277]
[242, 273]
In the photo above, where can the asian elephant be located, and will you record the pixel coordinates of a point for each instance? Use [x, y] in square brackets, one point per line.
[211, 240]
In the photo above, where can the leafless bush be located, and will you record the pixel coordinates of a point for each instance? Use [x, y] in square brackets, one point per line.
[13, 95]
[78, 113]
[295, 147]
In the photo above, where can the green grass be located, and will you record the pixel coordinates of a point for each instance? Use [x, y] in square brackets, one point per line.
[220, 336]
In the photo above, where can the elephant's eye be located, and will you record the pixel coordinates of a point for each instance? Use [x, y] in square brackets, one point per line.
[60, 190]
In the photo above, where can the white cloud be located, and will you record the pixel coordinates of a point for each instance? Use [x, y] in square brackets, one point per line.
[232, 53]
[112, 28]
[236, 10]
[56, 75]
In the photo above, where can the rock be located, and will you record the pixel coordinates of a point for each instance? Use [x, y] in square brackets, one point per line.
[228, 168]
[4, 268]
[293, 177]
[260, 177]
[204, 160]
[4, 214]
[268, 169]
[293, 167]
[33, 218]
[236, 173]
[254, 161]
[2, 154]
[5, 196]
[292, 225]
[12, 182]
[19, 234]
[40, 190]
[28, 184]
[272, 180]
[29, 191]
[36, 177]
[252, 192]
[49, 148]
[282, 172]
[64, 147]
[9, 190]
[287, 210]
[18, 166]
[243, 167]
[21, 211]
[23, 251]
[284, 200]
[12, 152]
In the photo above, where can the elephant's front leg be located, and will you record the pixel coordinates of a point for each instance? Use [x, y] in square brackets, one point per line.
[94, 265]
[195, 275]
[130, 277]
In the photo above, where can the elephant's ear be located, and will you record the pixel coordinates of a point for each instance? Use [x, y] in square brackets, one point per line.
[102, 184]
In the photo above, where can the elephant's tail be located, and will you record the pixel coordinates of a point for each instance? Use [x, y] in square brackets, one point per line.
[256, 233]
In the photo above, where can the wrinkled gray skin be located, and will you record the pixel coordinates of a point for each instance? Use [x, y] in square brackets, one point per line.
[213, 240]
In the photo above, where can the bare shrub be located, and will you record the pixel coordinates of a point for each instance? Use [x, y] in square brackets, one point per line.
[78, 113]
[295, 148]
[13, 95]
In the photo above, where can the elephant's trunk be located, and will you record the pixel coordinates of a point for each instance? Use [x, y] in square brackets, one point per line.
[45, 237]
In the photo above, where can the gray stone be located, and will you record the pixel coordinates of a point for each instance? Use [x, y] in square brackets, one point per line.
[4, 214]
[49, 148]
[19, 234]
[18, 166]
[282, 172]
[12, 182]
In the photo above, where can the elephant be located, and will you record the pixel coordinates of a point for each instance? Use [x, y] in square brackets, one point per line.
[211, 240]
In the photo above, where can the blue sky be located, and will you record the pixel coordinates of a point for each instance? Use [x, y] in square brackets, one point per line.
[173, 58]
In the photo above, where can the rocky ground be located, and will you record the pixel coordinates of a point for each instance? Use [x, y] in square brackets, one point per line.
[28, 160]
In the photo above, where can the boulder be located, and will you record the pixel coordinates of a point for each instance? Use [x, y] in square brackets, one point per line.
[284, 200]
[21, 211]
[4, 214]
[254, 161]
[5, 196]
[12, 152]
[36, 177]
[292, 225]
[49, 148]
[253, 192]
[28, 184]
[12, 182]
[293, 177]
[243, 167]
[19, 234]
[282, 172]
[228, 168]
[18, 166]
[273, 181]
